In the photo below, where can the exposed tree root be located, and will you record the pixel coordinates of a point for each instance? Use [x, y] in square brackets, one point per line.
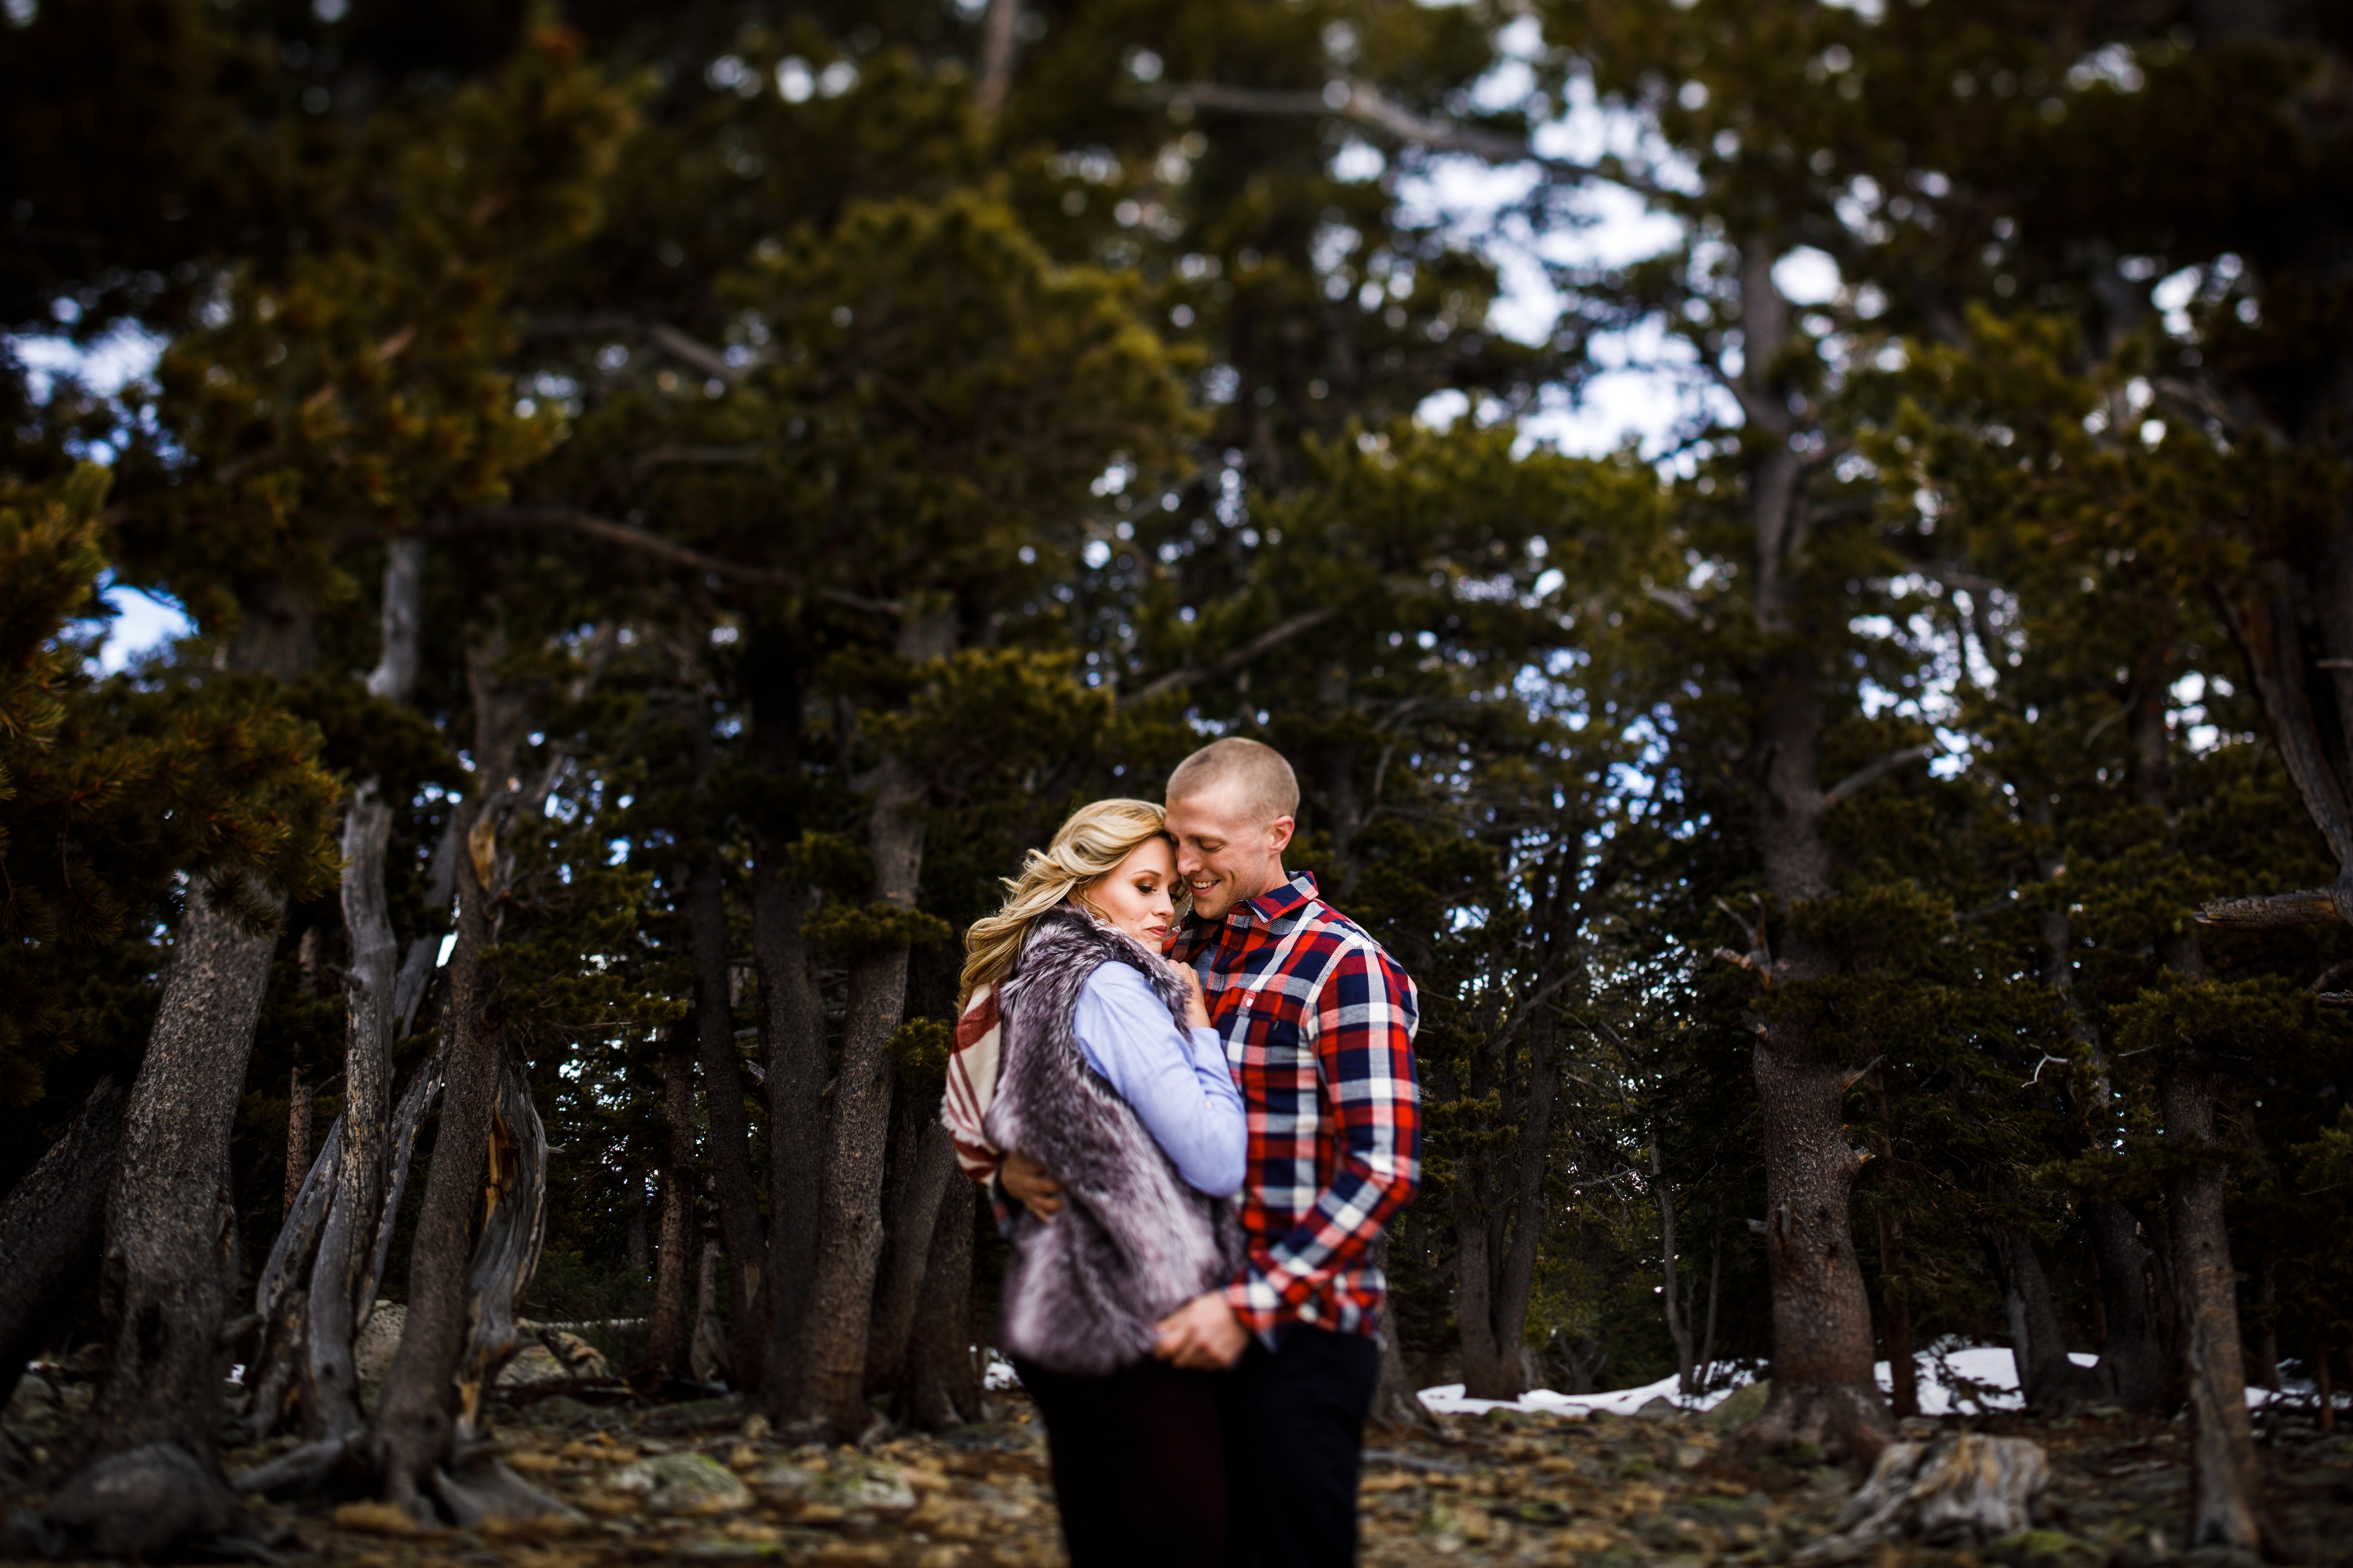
[1962, 1491]
[1847, 1422]
[485, 1489]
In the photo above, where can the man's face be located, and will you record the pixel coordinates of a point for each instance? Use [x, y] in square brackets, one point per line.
[1225, 852]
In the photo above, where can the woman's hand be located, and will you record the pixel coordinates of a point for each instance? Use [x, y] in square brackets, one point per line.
[1196, 1001]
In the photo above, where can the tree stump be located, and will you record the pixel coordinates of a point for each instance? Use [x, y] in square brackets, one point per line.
[1965, 1489]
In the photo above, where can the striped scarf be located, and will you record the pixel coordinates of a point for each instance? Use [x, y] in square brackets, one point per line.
[972, 1084]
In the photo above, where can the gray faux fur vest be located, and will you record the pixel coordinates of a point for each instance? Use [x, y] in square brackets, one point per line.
[1133, 1242]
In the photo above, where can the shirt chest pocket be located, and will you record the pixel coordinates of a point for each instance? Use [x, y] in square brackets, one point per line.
[1266, 1037]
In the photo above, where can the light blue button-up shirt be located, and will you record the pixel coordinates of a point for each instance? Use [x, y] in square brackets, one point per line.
[1176, 1078]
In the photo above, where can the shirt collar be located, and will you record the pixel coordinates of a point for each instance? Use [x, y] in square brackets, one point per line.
[1275, 902]
[1193, 934]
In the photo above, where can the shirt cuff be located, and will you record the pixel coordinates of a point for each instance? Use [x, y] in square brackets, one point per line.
[1256, 1302]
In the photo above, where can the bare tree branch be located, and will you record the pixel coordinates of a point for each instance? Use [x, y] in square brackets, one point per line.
[1368, 106]
[678, 344]
[666, 456]
[630, 537]
[998, 34]
[1869, 773]
[2268, 912]
[1264, 642]
[648, 543]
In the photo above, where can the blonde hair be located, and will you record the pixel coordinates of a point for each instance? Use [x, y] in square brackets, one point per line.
[1269, 789]
[1090, 846]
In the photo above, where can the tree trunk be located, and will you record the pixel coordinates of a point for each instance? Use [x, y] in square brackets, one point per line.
[1488, 1370]
[1516, 1287]
[925, 1158]
[825, 1385]
[939, 1382]
[50, 1224]
[1896, 1311]
[2225, 1486]
[1397, 1406]
[1824, 1390]
[168, 1272]
[1496, 1267]
[2051, 1383]
[2267, 1370]
[706, 1356]
[320, 1278]
[506, 1254]
[670, 1335]
[298, 1133]
[2134, 1360]
[1678, 1319]
[823, 1390]
[1823, 1387]
[1714, 1294]
[792, 1013]
[332, 1407]
[793, 1020]
[730, 1129]
[418, 1420]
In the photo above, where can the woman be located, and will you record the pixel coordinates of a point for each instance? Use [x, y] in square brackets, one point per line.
[1108, 1074]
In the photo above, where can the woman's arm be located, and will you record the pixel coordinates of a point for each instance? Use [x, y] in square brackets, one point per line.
[1179, 1085]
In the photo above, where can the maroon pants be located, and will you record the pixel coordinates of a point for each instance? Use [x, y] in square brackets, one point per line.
[1139, 1465]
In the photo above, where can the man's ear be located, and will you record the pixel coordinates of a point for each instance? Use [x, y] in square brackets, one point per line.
[1278, 834]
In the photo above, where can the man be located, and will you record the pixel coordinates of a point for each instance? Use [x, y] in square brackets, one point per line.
[1318, 1023]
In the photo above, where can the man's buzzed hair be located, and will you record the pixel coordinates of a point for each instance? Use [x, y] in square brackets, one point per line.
[1269, 789]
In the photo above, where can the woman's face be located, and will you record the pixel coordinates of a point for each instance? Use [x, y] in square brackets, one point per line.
[1135, 896]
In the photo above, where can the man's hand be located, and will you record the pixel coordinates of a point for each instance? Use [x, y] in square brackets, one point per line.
[1026, 1183]
[1202, 1335]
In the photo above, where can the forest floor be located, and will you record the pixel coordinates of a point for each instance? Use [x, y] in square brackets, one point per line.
[702, 1482]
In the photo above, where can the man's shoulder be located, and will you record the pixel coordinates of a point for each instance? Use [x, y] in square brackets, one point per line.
[1327, 938]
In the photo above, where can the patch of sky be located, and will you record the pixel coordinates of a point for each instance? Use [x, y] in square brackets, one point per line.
[141, 621]
[1646, 384]
[103, 366]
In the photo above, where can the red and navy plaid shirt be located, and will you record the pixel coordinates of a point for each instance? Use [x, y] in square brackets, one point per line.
[1319, 1026]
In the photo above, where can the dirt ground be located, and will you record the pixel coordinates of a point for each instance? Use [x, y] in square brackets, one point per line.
[702, 1482]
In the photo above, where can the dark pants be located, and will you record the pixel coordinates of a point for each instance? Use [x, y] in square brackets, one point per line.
[1294, 1420]
[1139, 1465]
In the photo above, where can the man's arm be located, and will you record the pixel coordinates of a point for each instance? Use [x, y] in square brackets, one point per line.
[1363, 1046]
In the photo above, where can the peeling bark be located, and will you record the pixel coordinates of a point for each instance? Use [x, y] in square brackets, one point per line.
[298, 1133]
[418, 1420]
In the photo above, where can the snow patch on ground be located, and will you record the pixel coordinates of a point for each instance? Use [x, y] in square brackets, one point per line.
[1973, 1378]
[1968, 1380]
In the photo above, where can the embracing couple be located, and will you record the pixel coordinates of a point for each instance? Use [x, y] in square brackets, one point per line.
[1196, 1121]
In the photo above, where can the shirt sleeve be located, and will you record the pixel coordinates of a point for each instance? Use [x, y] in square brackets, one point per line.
[1177, 1079]
[1364, 1018]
